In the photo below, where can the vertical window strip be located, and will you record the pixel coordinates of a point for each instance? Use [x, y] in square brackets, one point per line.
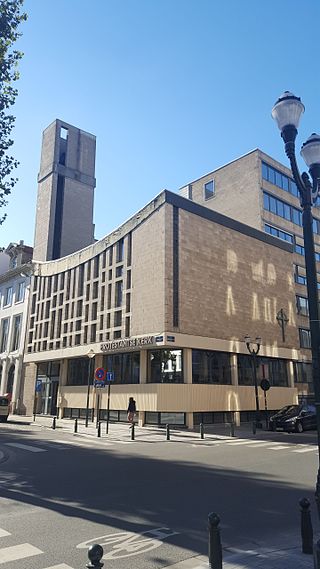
[175, 268]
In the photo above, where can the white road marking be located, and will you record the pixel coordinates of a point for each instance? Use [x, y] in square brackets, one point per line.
[309, 449]
[278, 447]
[16, 552]
[26, 447]
[4, 533]
[258, 445]
[61, 566]
[241, 442]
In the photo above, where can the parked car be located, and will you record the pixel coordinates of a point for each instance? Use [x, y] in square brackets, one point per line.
[296, 418]
[4, 408]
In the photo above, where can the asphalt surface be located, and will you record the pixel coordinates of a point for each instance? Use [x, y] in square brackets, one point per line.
[147, 501]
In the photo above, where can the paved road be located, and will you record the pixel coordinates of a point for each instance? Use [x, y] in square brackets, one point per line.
[146, 501]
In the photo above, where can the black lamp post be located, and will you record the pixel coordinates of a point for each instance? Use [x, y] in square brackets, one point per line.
[90, 355]
[254, 352]
[287, 112]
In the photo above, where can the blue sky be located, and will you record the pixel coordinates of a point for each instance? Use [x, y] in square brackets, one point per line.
[172, 89]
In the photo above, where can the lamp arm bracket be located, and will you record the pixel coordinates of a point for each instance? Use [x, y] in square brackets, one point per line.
[305, 195]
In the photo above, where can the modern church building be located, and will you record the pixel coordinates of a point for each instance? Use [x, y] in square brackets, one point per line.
[166, 300]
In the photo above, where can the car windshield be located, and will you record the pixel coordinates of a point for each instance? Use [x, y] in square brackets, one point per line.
[293, 411]
[287, 409]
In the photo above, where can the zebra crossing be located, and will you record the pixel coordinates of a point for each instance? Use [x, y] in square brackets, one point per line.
[21, 551]
[210, 441]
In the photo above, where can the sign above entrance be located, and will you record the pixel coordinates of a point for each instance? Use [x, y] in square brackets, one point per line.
[128, 343]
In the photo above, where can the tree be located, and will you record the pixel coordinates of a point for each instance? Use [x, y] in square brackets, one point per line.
[10, 18]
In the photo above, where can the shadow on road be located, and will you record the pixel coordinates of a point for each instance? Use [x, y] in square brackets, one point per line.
[135, 493]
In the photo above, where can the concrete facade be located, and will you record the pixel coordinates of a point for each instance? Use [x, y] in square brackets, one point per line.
[176, 281]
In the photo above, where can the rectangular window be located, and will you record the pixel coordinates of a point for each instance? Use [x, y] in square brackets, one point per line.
[302, 372]
[127, 327]
[109, 297]
[120, 248]
[165, 366]
[110, 255]
[8, 296]
[80, 279]
[128, 279]
[211, 367]
[16, 332]
[95, 289]
[118, 293]
[93, 333]
[94, 310]
[4, 334]
[96, 267]
[118, 318]
[119, 271]
[20, 292]
[209, 190]
[305, 338]
[302, 305]
[129, 249]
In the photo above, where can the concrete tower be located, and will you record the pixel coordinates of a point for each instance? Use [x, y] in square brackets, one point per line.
[66, 182]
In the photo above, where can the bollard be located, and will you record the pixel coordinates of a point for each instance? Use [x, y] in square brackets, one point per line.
[232, 429]
[254, 427]
[306, 526]
[54, 422]
[95, 554]
[168, 432]
[99, 430]
[215, 549]
[75, 426]
[132, 432]
[201, 431]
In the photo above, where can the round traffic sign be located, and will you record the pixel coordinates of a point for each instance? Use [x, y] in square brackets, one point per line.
[100, 374]
[265, 384]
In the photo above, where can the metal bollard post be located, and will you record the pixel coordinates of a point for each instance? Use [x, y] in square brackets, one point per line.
[54, 422]
[306, 526]
[132, 432]
[95, 554]
[168, 432]
[75, 430]
[99, 430]
[215, 549]
[254, 427]
[232, 429]
[201, 431]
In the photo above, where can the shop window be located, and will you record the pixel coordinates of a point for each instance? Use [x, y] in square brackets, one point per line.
[211, 367]
[165, 366]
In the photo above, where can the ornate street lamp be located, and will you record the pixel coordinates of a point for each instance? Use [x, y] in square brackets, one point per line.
[90, 355]
[287, 112]
[254, 352]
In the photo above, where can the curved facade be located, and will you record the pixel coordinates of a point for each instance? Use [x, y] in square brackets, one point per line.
[164, 302]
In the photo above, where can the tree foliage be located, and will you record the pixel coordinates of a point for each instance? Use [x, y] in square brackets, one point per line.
[10, 18]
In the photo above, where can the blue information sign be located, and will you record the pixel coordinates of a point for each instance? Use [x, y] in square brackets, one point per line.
[38, 385]
[110, 376]
[98, 383]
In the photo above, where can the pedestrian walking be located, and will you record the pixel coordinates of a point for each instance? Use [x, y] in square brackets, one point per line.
[131, 410]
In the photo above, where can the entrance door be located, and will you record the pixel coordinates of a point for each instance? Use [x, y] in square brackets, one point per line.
[49, 394]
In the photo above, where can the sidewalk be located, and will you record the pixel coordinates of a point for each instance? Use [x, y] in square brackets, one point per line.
[289, 558]
[116, 430]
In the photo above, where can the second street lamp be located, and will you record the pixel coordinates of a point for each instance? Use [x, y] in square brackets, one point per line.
[90, 355]
[287, 112]
[254, 352]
